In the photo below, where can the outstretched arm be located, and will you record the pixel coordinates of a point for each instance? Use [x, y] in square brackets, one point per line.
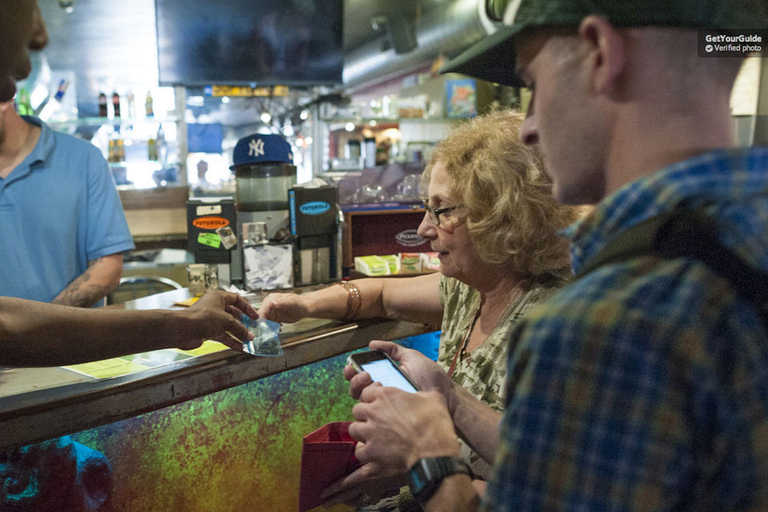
[415, 299]
[41, 334]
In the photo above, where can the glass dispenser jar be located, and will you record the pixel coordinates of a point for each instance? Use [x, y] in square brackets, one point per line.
[263, 187]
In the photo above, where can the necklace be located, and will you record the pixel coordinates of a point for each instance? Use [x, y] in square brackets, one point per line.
[463, 353]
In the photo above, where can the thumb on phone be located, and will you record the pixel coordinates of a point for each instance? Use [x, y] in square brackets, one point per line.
[393, 350]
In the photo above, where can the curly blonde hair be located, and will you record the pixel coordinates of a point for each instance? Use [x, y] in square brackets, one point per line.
[511, 215]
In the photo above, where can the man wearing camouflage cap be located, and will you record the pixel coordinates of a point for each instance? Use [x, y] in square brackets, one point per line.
[644, 384]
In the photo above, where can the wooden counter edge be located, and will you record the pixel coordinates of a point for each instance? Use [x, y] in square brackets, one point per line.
[49, 413]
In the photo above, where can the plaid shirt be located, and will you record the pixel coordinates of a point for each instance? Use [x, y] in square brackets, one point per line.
[644, 385]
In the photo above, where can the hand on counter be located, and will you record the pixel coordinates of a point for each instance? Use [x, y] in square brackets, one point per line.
[216, 316]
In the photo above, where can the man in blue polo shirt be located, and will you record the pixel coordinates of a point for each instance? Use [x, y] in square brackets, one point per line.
[61, 222]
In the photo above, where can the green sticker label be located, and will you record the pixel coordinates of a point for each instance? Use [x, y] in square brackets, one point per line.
[209, 239]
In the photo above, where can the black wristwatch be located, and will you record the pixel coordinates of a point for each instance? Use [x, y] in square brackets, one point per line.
[427, 474]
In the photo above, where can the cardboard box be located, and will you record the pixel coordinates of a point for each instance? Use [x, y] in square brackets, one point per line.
[430, 262]
[410, 262]
[392, 261]
[372, 266]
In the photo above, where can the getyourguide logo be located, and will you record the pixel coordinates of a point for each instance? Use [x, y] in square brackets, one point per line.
[210, 222]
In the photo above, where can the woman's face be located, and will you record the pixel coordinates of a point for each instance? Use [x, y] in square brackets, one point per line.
[458, 257]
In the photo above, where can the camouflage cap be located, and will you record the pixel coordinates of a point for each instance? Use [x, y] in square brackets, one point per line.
[493, 58]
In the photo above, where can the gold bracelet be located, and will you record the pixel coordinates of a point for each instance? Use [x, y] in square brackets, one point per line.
[354, 299]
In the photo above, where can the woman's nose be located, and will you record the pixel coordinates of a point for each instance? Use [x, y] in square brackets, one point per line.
[426, 228]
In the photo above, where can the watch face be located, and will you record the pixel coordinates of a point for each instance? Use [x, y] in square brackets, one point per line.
[427, 474]
[416, 482]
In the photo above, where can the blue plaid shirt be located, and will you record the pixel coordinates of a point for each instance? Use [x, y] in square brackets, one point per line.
[644, 385]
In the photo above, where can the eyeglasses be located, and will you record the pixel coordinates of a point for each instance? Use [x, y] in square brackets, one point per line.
[435, 213]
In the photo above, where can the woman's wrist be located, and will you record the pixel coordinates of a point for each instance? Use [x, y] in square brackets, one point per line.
[451, 392]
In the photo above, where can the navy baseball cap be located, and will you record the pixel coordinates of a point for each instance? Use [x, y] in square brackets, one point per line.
[261, 148]
[494, 57]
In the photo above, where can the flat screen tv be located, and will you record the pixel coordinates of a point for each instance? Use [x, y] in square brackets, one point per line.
[243, 42]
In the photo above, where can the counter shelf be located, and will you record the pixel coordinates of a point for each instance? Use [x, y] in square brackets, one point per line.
[43, 403]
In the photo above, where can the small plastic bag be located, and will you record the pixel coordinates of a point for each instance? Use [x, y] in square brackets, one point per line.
[266, 341]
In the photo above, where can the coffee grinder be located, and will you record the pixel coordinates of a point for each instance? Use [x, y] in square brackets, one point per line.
[316, 223]
[264, 173]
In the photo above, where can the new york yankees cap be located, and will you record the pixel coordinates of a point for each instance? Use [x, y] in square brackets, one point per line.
[260, 148]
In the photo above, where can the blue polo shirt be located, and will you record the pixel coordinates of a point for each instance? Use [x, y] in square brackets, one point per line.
[59, 209]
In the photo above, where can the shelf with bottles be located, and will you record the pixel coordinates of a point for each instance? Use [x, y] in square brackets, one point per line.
[114, 121]
[143, 155]
[378, 122]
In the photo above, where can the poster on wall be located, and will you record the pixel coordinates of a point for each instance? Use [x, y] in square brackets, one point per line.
[461, 98]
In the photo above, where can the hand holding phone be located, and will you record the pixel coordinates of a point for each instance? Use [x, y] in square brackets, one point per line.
[383, 369]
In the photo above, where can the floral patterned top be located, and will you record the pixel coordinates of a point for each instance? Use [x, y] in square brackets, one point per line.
[483, 374]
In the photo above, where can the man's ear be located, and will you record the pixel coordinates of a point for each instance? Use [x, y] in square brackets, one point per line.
[606, 52]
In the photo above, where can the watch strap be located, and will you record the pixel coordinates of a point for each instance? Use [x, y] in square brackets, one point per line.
[427, 474]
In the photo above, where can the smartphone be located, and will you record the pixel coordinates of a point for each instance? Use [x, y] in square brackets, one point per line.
[382, 368]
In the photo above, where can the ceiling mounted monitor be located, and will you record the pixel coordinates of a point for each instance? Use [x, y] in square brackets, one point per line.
[250, 42]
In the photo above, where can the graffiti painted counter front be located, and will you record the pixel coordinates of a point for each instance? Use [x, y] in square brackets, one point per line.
[218, 431]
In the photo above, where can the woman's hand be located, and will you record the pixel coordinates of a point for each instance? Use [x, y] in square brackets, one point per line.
[427, 374]
[284, 307]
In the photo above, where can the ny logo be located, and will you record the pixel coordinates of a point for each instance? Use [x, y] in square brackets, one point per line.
[256, 147]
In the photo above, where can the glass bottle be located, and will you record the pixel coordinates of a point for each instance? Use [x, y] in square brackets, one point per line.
[152, 149]
[116, 104]
[162, 149]
[148, 105]
[120, 149]
[131, 105]
[102, 104]
[63, 84]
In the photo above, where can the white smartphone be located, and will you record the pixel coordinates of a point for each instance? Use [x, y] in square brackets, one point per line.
[382, 368]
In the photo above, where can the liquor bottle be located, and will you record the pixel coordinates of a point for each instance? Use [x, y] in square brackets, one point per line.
[148, 105]
[120, 150]
[116, 103]
[131, 105]
[152, 150]
[102, 104]
[61, 90]
[162, 149]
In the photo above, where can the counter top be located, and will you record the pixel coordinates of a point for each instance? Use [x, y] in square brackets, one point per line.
[42, 403]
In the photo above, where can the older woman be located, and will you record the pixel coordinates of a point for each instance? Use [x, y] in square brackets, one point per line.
[491, 217]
